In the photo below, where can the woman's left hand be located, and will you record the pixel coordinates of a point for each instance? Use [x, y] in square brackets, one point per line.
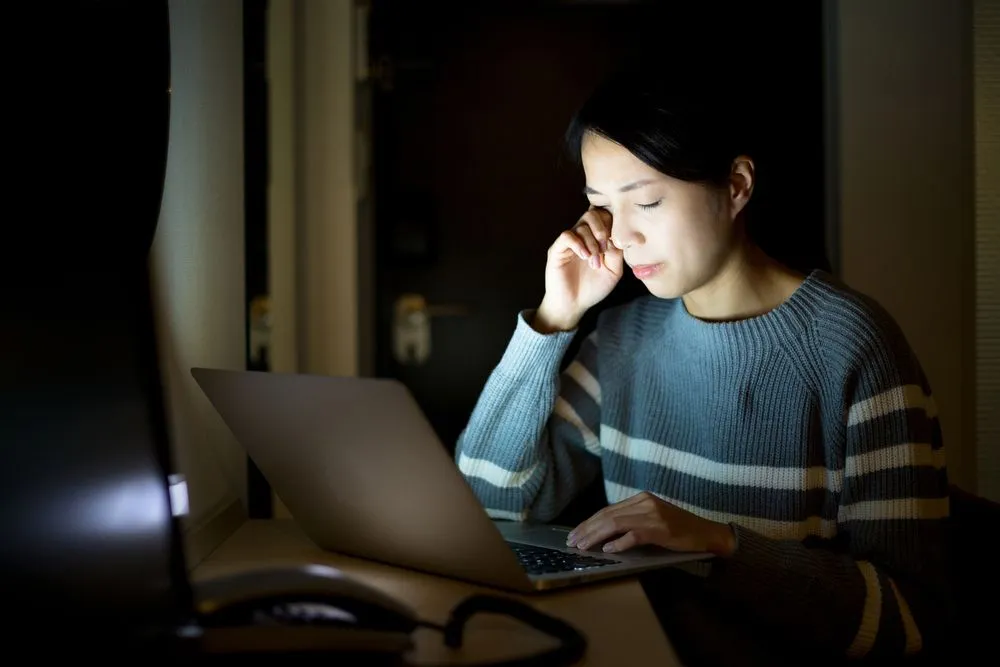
[646, 519]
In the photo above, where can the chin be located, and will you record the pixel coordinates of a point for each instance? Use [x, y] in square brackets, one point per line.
[663, 289]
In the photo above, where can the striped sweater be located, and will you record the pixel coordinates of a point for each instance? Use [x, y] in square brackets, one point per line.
[810, 429]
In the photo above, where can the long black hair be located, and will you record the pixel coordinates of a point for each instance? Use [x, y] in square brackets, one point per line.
[692, 126]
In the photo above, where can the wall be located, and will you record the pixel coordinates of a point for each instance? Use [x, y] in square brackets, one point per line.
[197, 259]
[281, 218]
[327, 256]
[312, 226]
[312, 218]
[986, 37]
[903, 110]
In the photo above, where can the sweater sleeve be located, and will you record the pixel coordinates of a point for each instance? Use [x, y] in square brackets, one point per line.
[532, 441]
[881, 591]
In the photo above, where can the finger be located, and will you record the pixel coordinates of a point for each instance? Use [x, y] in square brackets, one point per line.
[569, 241]
[614, 260]
[602, 514]
[599, 222]
[600, 529]
[611, 527]
[602, 217]
[627, 541]
[585, 233]
[627, 506]
[587, 525]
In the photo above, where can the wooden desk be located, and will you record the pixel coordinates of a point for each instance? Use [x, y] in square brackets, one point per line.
[616, 617]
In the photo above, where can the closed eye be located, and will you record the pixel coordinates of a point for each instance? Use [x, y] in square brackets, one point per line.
[649, 206]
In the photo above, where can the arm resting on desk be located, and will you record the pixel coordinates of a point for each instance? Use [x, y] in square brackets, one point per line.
[530, 445]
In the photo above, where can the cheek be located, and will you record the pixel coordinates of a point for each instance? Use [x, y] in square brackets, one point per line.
[680, 232]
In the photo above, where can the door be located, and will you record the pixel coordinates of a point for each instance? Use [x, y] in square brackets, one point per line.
[470, 182]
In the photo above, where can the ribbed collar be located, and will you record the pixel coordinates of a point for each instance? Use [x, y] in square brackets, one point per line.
[792, 317]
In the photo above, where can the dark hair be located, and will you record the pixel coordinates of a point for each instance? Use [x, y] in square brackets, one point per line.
[686, 125]
[678, 125]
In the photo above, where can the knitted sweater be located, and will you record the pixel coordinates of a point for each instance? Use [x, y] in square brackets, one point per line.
[810, 429]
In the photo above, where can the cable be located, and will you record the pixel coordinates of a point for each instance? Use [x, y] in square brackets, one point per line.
[431, 625]
[572, 644]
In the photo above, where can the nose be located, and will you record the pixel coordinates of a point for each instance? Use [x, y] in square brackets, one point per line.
[624, 234]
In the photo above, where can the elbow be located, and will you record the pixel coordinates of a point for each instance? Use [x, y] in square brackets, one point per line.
[502, 493]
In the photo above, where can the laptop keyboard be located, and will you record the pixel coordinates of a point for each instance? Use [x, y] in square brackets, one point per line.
[540, 560]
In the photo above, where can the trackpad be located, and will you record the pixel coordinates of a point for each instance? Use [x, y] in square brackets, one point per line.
[542, 535]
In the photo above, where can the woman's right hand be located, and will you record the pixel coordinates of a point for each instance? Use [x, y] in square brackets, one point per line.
[583, 267]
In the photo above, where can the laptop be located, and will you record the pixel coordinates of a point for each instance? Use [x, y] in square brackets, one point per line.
[364, 474]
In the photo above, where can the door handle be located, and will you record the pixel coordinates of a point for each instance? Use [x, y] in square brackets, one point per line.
[411, 326]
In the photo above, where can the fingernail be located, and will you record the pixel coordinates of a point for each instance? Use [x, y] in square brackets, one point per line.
[608, 548]
[595, 262]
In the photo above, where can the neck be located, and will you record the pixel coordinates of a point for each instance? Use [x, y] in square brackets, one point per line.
[749, 284]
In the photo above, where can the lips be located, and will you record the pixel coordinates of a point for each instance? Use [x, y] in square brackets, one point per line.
[642, 271]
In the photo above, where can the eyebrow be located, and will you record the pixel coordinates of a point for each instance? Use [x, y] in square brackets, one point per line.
[631, 186]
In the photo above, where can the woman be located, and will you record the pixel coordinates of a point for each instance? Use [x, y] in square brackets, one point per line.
[776, 419]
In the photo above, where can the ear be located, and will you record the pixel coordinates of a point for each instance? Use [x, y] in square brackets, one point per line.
[741, 182]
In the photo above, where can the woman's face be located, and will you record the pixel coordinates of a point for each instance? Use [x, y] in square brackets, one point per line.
[676, 235]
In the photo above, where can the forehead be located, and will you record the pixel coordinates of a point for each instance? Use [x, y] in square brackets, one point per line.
[609, 165]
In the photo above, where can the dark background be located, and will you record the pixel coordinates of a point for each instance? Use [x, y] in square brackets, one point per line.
[471, 180]
[469, 103]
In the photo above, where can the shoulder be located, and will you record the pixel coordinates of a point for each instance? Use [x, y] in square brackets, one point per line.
[857, 334]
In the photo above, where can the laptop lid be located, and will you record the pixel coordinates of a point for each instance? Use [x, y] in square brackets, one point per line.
[362, 471]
